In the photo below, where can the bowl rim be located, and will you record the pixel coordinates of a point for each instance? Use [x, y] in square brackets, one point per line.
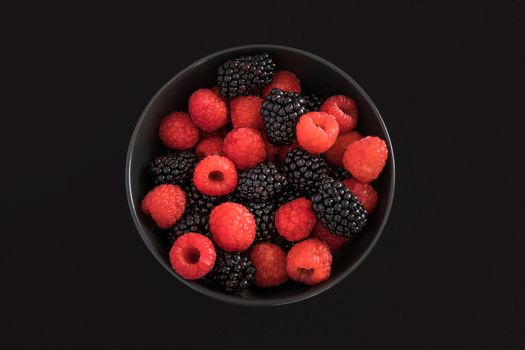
[232, 299]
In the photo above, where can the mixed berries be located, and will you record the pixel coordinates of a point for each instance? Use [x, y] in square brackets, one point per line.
[261, 183]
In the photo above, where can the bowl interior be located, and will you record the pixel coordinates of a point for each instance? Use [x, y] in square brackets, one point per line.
[318, 76]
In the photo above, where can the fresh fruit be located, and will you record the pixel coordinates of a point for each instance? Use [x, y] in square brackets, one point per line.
[261, 183]
[339, 173]
[177, 131]
[289, 194]
[233, 272]
[199, 202]
[283, 80]
[173, 168]
[208, 111]
[189, 222]
[245, 147]
[211, 146]
[317, 131]
[295, 219]
[269, 261]
[335, 242]
[192, 256]
[215, 176]
[245, 112]
[335, 154]
[304, 170]
[313, 102]
[344, 109]
[165, 204]
[309, 262]
[366, 158]
[264, 215]
[281, 111]
[245, 75]
[364, 192]
[232, 227]
[283, 150]
[338, 209]
[272, 151]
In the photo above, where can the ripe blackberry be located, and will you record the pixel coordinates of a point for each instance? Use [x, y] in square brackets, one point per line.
[173, 168]
[289, 194]
[338, 209]
[281, 111]
[339, 173]
[264, 214]
[313, 102]
[199, 202]
[190, 222]
[261, 183]
[233, 272]
[245, 75]
[304, 170]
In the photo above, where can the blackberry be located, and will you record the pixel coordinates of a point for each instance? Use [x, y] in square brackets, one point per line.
[245, 75]
[338, 209]
[289, 194]
[313, 102]
[173, 168]
[264, 214]
[233, 272]
[304, 170]
[281, 111]
[339, 173]
[190, 222]
[199, 202]
[260, 183]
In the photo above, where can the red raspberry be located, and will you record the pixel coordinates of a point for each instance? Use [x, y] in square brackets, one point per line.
[192, 255]
[335, 242]
[283, 80]
[317, 131]
[366, 158]
[215, 176]
[165, 203]
[217, 91]
[295, 219]
[271, 150]
[344, 109]
[177, 131]
[232, 227]
[270, 265]
[246, 112]
[334, 155]
[364, 192]
[245, 147]
[309, 261]
[212, 146]
[283, 150]
[208, 111]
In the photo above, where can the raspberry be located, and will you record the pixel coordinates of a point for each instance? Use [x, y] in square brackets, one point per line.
[344, 109]
[334, 155]
[192, 256]
[165, 203]
[272, 151]
[285, 81]
[295, 219]
[335, 242]
[208, 111]
[366, 158]
[364, 192]
[317, 131]
[245, 147]
[309, 261]
[270, 265]
[177, 131]
[212, 146]
[217, 91]
[232, 227]
[245, 112]
[215, 176]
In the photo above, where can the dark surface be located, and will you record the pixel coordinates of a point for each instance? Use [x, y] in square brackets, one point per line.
[448, 271]
[145, 145]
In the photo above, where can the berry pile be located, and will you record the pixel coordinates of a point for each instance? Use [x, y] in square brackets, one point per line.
[260, 184]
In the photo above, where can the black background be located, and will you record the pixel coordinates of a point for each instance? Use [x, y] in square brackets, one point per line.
[448, 79]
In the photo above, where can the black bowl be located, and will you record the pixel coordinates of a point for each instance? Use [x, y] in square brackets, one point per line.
[317, 75]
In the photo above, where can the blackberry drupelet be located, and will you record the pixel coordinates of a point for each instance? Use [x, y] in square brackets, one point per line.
[338, 209]
[304, 170]
[173, 168]
[264, 214]
[339, 173]
[199, 202]
[281, 111]
[233, 272]
[313, 102]
[289, 194]
[190, 222]
[260, 183]
[245, 75]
